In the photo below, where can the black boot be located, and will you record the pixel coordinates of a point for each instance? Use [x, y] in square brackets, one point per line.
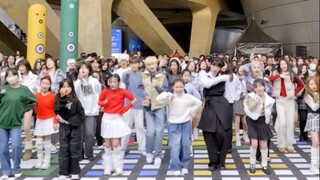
[252, 168]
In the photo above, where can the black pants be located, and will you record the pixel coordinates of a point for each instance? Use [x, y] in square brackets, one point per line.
[99, 138]
[70, 149]
[217, 144]
[302, 121]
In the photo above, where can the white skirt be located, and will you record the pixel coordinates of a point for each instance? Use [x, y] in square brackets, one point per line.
[113, 126]
[44, 127]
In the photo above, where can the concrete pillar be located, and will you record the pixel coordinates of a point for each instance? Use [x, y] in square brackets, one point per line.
[18, 11]
[204, 17]
[137, 15]
[95, 26]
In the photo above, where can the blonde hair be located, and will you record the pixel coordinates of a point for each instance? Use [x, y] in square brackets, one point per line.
[151, 60]
[314, 95]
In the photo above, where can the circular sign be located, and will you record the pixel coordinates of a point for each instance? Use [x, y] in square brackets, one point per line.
[40, 48]
[71, 34]
[71, 6]
[40, 35]
[71, 47]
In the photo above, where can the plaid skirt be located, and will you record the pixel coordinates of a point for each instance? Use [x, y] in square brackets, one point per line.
[312, 122]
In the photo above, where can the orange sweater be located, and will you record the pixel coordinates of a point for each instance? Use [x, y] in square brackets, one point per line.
[45, 106]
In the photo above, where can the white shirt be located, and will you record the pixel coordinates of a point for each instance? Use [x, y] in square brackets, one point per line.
[182, 108]
[88, 92]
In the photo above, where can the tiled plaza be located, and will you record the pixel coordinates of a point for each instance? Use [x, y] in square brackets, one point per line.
[283, 166]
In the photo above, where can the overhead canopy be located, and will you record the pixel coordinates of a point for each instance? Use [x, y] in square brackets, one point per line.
[252, 37]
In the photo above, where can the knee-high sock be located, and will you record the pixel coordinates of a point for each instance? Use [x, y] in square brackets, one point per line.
[264, 156]
[107, 159]
[253, 153]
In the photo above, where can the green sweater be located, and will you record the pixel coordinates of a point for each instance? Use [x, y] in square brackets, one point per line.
[13, 104]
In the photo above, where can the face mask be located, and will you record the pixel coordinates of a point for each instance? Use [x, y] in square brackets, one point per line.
[12, 80]
[312, 67]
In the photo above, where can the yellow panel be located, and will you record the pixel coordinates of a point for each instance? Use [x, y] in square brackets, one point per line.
[201, 161]
[229, 156]
[231, 166]
[202, 173]
[273, 155]
[279, 166]
[198, 143]
[245, 160]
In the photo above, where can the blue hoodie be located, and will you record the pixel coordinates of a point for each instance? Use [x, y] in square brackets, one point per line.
[133, 82]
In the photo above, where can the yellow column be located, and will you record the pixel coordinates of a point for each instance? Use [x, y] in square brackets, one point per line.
[204, 17]
[95, 26]
[137, 15]
[18, 11]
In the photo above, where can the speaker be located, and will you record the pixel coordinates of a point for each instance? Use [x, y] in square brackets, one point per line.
[301, 51]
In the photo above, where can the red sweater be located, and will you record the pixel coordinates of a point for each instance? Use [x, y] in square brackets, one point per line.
[283, 92]
[115, 100]
[45, 107]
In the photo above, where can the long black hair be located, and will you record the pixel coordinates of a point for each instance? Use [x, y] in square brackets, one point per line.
[25, 63]
[70, 84]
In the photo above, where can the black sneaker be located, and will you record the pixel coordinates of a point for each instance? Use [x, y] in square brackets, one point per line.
[266, 170]
[222, 166]
[252, 168]
[213, 167]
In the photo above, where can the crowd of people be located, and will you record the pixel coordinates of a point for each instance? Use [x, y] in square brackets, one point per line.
[99, 100]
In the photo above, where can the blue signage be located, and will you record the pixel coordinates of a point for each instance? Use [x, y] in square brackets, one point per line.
[116, 41]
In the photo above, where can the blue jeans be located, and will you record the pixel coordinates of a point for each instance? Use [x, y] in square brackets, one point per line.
[15, 135]
[179, 143]
[155, 125]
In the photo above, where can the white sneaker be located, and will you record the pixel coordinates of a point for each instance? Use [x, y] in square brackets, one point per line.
[149, 158]
[45, 166]
[17, 175]
[63, 177]
[119, 171]
[74, 176]
[184, 171]
[107, 172]
[314, 170]
[4, 176]
[176, 173]
[38, 165]
[238, 143]
[157, 161]
[54, 149]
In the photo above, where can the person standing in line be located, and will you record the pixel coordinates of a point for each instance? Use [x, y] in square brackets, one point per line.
[216, 120]
[113, 127]
[46, 123]
[182, 107]
[284, 91]
[155, 82]
[70, 115]
[27, 78]
[311, 98]
[258, 107]
[15, 100]
[87, 89]
[238, 111]
[133, 81]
